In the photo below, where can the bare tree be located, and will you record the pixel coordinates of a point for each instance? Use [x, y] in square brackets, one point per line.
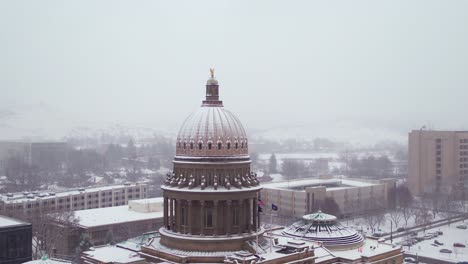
[49, 229]
[396, 215]
[407, 213]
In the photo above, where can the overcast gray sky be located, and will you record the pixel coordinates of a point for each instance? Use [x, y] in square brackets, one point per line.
[378, 63]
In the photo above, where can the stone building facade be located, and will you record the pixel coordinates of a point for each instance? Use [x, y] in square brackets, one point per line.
[438, 160]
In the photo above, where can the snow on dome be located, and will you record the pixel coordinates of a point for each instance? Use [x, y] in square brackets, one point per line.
[325, 228]
[320, 217]
[212, 131]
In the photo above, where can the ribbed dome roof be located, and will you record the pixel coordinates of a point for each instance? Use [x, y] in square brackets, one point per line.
[326, 229]
[212, 130]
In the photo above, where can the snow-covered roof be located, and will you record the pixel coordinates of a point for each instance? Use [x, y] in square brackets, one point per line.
[113, 254]
[316, 182]
[45, 260]
[319, 217]
[45, 195]
[113, 215]
[324, 228]
[7, 221]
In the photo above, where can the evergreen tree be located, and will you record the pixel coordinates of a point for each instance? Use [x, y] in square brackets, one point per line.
[330, 206]
[273, 166]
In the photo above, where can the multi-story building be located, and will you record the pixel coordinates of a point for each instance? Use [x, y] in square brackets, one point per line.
[15, 241]
[353, 196]
[45, 155]
[111, 224]
[438, 160]
[72, 199]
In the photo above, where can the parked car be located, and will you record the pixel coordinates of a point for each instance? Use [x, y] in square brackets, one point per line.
[462, 227]
[413, 233]
[410, 260]
[438, 243]
[429, 236]
[406, 243]
[458, 245]
[400, 229]
[440, 233]
[444, 250]
[434, 245]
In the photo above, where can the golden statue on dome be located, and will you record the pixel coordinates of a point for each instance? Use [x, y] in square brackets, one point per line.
[212, 72]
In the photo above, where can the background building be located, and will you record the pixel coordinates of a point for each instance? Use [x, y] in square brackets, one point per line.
[15, 241]
[438, 160]
[300, 197]
[47, 155]
[72, 199]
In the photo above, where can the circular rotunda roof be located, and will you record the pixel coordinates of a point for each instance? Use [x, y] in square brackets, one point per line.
[325, 228]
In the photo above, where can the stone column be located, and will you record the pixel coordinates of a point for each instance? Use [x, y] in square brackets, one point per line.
[189, 216]
[179, 216]
[215, 217]
[166, 210]
[228, 217]
[202, 217]
[171, 217]
[255, 213]
[241, 216]
[249, 215]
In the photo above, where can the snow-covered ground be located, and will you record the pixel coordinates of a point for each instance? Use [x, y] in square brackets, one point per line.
[385, 226]
[451, 235]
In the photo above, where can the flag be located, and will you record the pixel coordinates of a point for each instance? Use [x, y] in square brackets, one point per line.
[274, 207]
[260, 202]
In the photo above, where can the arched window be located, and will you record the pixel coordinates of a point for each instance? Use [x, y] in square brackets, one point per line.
[236, 145]
[242, 144]
[219, 145]
[185, 145]
[246, 144]
[179, 145]
[210, 145]
[229, 145]
[200, 145]
[191, 145]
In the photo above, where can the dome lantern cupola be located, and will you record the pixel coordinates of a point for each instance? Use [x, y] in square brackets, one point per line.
[212, 91]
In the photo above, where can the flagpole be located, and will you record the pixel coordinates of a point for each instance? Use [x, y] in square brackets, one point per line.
[256, 231]
[271, 230]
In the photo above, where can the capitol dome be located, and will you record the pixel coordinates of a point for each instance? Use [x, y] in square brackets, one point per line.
[212, 130]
